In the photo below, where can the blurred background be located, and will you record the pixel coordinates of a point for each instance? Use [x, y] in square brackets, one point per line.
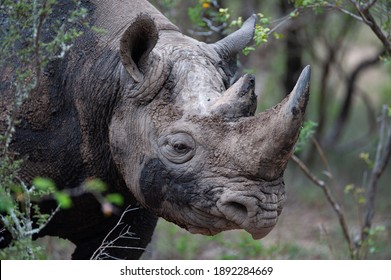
[325, 217]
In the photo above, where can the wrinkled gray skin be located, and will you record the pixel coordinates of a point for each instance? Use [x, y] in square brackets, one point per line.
[158, 117]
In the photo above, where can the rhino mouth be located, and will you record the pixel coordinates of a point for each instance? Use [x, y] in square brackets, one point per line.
[233, 222]
[254, 208]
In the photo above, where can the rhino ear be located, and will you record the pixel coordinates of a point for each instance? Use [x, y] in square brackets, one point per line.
[136, 44]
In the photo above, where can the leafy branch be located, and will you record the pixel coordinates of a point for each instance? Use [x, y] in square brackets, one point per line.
[361, 11]
[358, 247]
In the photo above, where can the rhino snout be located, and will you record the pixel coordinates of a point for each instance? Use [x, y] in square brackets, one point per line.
[255, 212]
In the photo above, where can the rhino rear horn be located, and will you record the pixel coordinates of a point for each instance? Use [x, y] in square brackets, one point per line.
[136, 44]
[238, 101]
[231, 45]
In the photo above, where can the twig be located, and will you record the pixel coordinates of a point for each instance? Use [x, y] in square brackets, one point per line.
[107, 244]
[282, 21]
[330, 198]
[383, 154]
[37, 230]
[335, 7]
[326, 234]
[322, 156]
[339, 8]
[367, 17]
[369, 5]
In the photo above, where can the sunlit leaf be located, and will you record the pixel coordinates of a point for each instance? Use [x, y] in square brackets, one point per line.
[115, 198]
[95, 185]
[63, 199]
[6, 203]
[44, 184]
[348, 188]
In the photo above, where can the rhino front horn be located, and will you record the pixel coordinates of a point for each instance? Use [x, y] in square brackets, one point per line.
[294, 109]
[288, 123]
[273, 133]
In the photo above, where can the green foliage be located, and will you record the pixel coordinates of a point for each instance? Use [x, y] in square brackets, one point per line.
[307, 3]
[372, 244]
[367, 160]
[98, 188]
[26, 21]
[22, 249]
[307, 131]
[63, 199]
[376, 14]
[45, 185]
[115, 198]
[95, 185]
[207, 13]
[168, 4]
[195, 16]
[261, 33]
[24, 50]
[208, 16]
[357, 192]
[16, 217]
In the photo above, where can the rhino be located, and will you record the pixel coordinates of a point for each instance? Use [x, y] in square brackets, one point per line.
[162, 119]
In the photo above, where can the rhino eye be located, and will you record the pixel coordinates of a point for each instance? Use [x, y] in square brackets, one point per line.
[177, 148]
[181, 148]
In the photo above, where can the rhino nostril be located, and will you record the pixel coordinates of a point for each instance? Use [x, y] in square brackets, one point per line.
[238, 210]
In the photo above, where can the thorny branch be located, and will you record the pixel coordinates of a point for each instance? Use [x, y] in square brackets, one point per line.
[330, 198]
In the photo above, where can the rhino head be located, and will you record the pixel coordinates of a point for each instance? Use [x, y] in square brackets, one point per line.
[186, 138]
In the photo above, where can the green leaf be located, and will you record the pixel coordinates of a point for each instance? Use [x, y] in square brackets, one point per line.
[223, 15]
[63, 199]
[95, 185]
[195, 15]
[361, 200]
[367, 160]
[6, 203]
[294, 14]
[278, 35]
[44, 184]
[348, 188]
[305, 134]
[247, 50]
[238, 22]
[115, 198]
